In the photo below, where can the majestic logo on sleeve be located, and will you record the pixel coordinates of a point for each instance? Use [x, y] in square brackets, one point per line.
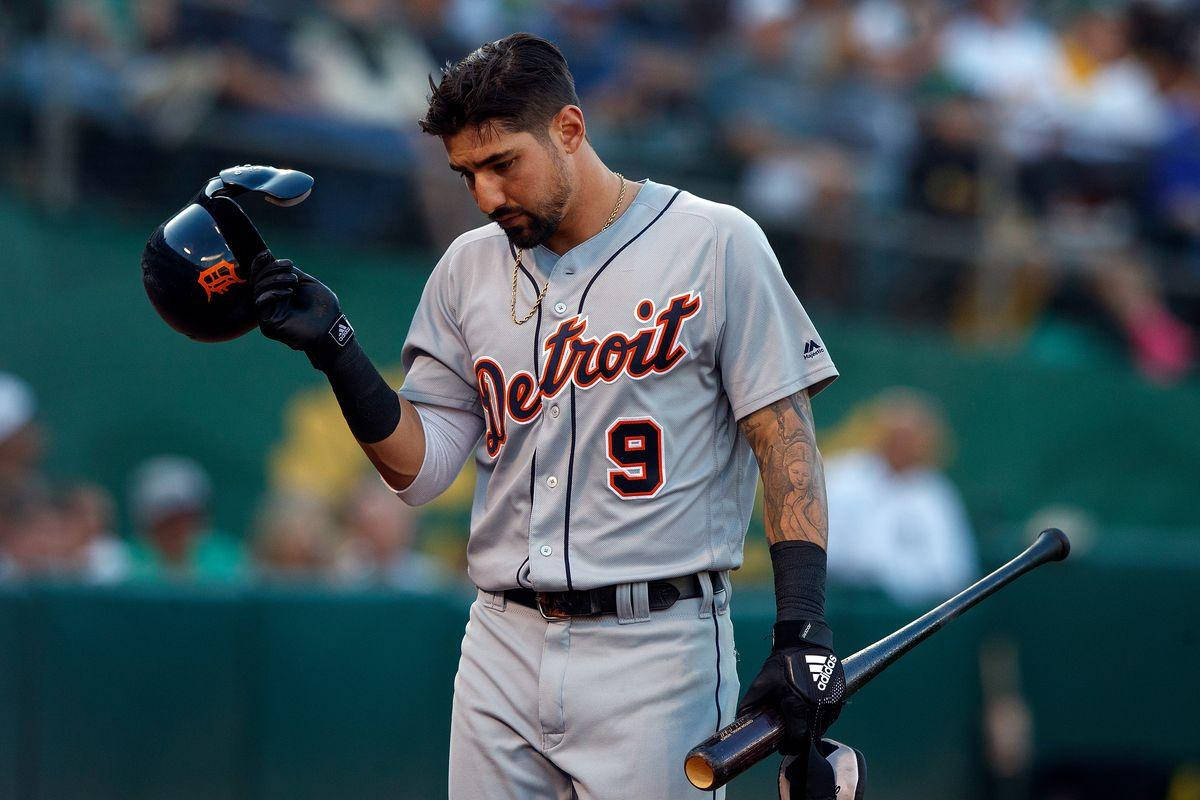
[571, 358]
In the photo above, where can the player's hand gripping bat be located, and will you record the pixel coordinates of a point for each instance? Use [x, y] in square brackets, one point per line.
[752, 737]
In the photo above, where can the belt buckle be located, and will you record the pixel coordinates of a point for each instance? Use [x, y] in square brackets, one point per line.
[549, 608]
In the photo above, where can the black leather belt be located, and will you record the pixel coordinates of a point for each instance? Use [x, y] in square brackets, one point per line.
[591, 602]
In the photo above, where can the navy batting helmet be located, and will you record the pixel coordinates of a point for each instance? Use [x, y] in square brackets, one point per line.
[196, 265]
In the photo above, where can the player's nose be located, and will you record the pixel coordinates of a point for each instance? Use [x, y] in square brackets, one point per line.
[489, 194]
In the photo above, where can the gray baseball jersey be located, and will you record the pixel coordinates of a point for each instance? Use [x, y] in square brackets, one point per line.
[611, 452]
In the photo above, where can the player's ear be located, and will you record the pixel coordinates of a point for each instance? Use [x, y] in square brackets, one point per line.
[568, 128]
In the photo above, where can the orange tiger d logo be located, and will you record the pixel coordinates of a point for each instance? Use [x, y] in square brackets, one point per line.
[218, 278]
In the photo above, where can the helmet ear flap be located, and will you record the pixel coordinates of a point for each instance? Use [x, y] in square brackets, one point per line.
[239, 232]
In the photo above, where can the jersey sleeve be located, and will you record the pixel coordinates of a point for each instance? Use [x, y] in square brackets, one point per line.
[450, 436]
[767, 347]
[437, 363]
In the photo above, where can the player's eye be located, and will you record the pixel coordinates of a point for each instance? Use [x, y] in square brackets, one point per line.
[504, 165]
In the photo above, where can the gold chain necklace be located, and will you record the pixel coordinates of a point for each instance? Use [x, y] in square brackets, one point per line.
[517, 266]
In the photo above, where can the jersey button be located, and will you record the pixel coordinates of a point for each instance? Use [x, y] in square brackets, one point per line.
[560, 308]
[552, 481]
[546, 550]
[554, 412]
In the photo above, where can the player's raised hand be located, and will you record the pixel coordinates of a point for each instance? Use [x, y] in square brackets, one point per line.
[803, 680]
[272, 282]
[297, 309]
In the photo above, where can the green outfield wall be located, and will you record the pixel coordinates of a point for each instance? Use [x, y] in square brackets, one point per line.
[294, 694]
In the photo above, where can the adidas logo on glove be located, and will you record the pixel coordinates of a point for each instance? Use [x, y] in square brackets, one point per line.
[821, 668]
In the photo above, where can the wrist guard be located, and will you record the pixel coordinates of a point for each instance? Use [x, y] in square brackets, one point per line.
[370, 406]
[799, 580]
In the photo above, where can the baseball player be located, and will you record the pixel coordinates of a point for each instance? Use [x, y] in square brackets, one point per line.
[617, 354]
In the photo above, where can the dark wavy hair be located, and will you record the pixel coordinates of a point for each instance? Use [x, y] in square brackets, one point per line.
[515, 84]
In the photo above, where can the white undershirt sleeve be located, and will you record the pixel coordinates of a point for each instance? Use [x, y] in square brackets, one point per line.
[450, 436]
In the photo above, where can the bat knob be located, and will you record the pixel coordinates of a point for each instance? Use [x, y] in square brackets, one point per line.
[699, 772]
[1056, 542]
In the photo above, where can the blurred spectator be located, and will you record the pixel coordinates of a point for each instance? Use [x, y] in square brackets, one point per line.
[893, 40]
[76, 64]
[93, 552]
[1007, 718]
[1104, 101]
[172, 86]
[45, 534]
[1175, 178]
[1082, 266]
[997, 51]
[32, 542]
[379, 537]
[591, 36]
[250, 42]
[361, 64]
[194, 58]
[654, 84]
[478, 21]
[435, 24]
[765, 94]
[1171, 50]
[944, 190]
[170, 498]
[895, 521]
[22, 439]
[889, 47]
[1163, 347]
[294, 538]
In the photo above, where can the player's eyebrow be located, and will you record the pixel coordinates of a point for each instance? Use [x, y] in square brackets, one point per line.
[492, 159]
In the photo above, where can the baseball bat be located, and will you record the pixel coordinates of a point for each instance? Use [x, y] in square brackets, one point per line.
[752, 737]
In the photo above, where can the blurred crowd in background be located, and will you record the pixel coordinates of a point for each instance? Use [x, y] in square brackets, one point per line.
[66, 530]
[1022, 176]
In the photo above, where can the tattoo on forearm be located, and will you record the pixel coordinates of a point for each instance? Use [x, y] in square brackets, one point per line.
[784, 441]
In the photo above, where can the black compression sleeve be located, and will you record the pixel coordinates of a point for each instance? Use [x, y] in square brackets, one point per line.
[799, 580]
[370, 406]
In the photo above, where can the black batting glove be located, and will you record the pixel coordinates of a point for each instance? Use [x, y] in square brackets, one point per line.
[803, 680]
[298, 310]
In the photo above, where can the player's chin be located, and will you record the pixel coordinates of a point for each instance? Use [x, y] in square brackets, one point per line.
[522, 236]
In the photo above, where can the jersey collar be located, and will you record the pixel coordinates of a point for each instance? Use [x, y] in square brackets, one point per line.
[593, 251]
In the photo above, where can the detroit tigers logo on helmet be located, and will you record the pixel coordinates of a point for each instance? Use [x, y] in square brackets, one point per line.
[218, 278]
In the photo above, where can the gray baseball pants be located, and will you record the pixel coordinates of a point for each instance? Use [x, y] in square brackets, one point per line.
[594, 708]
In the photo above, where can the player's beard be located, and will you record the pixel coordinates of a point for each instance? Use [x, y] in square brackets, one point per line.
[541, 223]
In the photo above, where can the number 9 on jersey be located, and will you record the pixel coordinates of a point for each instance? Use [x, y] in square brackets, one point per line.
[635, 448]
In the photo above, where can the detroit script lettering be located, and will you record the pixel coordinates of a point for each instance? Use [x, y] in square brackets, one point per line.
[573, 359]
